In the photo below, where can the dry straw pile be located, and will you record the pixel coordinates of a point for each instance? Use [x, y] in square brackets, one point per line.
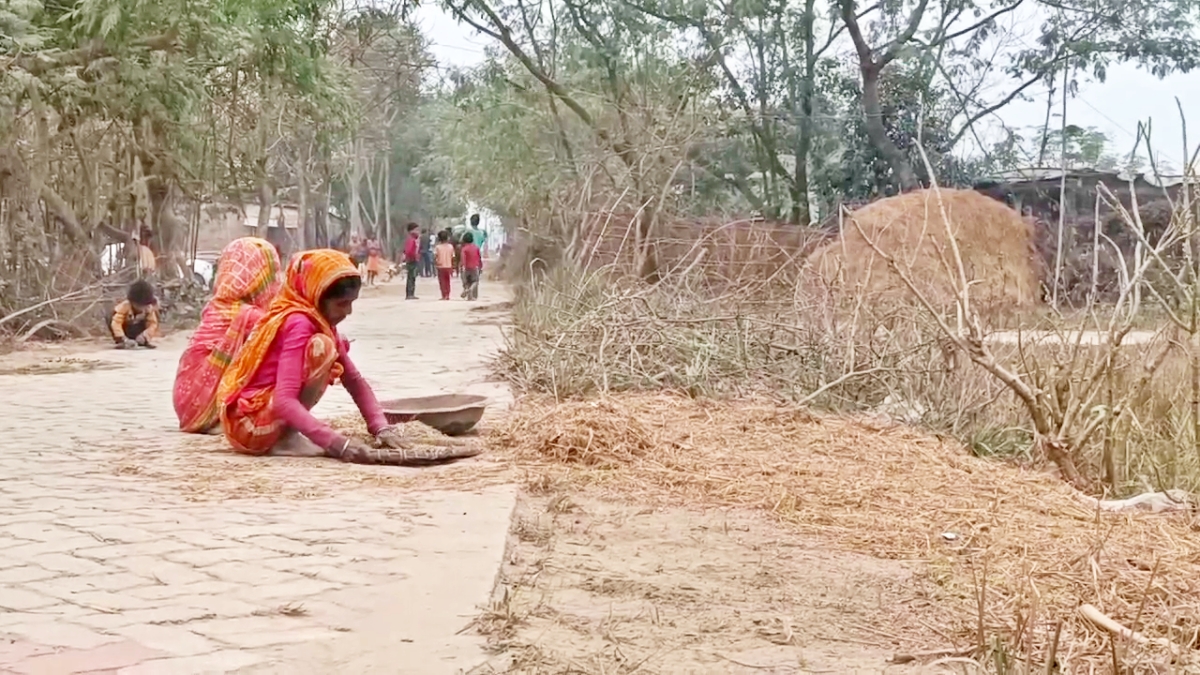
[997, 246]
[1024, 542]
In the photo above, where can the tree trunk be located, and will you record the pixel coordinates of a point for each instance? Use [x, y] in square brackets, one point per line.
[321, 208]
[877, 132]
[266, 199]
[1060, 453]
[801, 208]
[168, 228]
[303, 227]
[387, 207]
[321, 221]
[377, 190]
[647, 253]
[160, 215]
[356, 174]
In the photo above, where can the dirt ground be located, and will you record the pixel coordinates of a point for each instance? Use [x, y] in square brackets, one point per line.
[592, 586]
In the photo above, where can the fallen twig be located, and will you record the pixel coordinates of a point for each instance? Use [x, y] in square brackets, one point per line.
[756, 666]
[1102, 620]
[46, 303]
[925, 656]
[58, 325]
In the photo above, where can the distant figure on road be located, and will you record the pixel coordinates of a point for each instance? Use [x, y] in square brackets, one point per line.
[374, 260]
[290, 360]
[456, 234]
[358, 251]
[247, 280]
[444, 260]
[477, 233]
[428, 241]
[472, 267]
[412, 260]
[134, 320]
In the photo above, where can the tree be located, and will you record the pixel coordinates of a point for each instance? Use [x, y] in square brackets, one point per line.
[634, 116]
[946, 37]
[177, 97]
[387, 62]
[775, 95]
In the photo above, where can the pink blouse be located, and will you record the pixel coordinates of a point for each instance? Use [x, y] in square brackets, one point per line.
[283, 367]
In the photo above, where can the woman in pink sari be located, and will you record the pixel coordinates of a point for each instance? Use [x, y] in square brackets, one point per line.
[248, 279]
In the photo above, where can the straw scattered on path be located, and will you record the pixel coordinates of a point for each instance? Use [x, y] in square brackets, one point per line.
[1033, 547]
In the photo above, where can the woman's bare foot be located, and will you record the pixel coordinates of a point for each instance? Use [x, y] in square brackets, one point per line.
[294, 444]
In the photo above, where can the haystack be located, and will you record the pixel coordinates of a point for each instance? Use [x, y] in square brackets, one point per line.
[996, 244]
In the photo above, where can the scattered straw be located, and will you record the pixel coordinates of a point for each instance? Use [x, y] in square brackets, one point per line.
[207, 470]
[1020, 539]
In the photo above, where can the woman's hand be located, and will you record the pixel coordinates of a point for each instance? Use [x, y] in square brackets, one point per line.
[356, 452]
[392, 437]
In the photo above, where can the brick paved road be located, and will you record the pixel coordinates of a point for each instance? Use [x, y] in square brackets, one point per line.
[128, 548]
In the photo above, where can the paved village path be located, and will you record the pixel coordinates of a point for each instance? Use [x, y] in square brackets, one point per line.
[128, 548]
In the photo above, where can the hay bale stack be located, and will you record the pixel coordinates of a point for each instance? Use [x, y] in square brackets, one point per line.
[996, 244]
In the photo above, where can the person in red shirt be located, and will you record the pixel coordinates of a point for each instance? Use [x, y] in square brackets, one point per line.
[412, 260]
[472, 266]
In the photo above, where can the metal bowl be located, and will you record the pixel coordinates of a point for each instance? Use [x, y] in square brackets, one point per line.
[451, 414]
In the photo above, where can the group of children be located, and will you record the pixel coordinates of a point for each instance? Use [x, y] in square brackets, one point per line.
[367, 255]
[134, 321]
[470, 262]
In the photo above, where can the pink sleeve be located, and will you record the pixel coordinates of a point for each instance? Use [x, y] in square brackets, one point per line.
[253, 314]
[289, 379]
[361, 392]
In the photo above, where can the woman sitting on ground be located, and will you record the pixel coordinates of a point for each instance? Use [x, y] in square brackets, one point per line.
[290, 360]
[247, 280]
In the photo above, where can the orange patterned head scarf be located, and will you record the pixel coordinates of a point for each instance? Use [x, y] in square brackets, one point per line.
[309, 275]
[247, 274]
[247, 271]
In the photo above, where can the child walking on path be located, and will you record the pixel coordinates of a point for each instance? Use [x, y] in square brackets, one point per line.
[428, 241]
[443, 255]
[135, 320]
[472, 265]
[412, 261]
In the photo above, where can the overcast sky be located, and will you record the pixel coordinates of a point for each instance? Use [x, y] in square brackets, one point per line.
[1115, 107]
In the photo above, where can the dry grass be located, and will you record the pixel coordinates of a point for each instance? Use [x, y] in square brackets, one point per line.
[722, 249]
[1025, 550]
[1025, 547]
[997, 247]
[581, 334]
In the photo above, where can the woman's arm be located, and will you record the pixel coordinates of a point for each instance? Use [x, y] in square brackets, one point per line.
[289, 381]
[361, 392]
